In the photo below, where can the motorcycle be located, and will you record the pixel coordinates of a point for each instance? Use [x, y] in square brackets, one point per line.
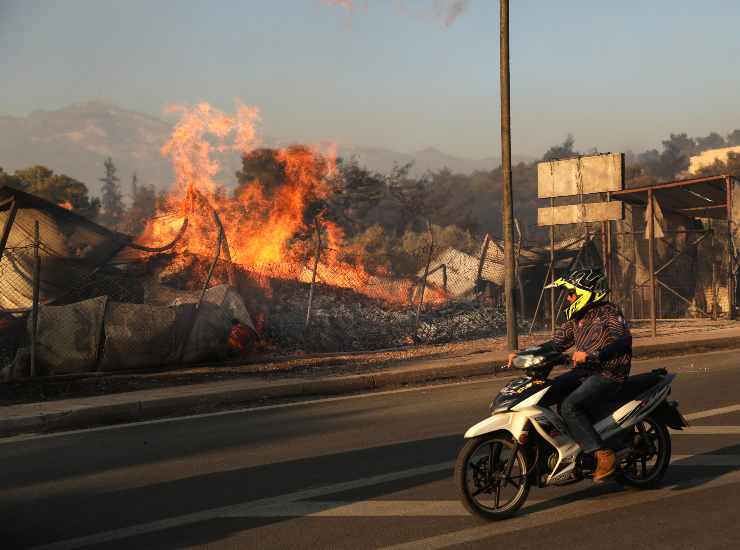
[525, 442]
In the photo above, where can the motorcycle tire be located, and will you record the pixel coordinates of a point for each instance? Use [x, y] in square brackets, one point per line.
[634, 472]
[467, 469]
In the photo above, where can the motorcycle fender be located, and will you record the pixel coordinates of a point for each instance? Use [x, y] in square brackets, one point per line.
[667, 413]
[515, 424]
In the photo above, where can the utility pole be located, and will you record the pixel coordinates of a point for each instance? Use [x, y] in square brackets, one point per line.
[512, 339]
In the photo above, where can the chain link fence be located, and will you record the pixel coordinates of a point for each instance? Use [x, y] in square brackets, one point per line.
[168, 308]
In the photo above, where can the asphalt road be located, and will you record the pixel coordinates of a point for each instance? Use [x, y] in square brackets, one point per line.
[370, 471]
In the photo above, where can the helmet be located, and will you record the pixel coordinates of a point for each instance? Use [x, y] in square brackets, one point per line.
[589, 285]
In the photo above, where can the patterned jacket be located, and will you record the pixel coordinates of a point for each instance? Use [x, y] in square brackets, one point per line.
[604, 335]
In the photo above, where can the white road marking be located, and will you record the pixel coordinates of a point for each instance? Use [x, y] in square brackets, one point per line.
[713, 412]
[297, 504]
[431, 508]
[365, 508]
[708, 430]
[566, 511]
[242, 509]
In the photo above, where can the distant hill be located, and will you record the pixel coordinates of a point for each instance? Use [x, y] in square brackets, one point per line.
[429, 159]
[75, 140]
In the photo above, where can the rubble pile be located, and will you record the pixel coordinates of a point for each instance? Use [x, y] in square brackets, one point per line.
[460, 320]
[342, 320]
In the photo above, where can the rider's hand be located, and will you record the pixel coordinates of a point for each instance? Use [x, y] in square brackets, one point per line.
[511, 358]
[579, 357]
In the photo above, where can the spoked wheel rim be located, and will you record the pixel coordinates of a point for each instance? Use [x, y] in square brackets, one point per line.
[486, 480]
[650, 449]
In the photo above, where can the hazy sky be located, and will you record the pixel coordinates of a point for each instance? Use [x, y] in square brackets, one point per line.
[390, 73]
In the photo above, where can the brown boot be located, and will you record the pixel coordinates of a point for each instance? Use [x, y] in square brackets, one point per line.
[605, 465]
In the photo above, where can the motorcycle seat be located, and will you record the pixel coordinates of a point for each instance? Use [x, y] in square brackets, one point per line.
[632, 388]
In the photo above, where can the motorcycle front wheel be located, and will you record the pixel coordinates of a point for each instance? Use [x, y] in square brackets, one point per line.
[491, 474]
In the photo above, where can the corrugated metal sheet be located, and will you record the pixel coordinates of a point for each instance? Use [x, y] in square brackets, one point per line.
[71, 249]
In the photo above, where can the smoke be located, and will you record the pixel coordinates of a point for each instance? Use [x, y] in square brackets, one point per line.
[448, 11]
[346, 4]
[445, 12]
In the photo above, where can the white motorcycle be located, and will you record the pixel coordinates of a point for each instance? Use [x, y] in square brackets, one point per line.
[525, 441]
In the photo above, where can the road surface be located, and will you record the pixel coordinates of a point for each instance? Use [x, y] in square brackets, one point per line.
[370, 471]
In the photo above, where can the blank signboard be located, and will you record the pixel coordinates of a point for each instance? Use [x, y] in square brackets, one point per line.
[577, 213]
[580, 175]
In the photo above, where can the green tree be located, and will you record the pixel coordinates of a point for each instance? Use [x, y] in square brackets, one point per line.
[143, 207]
[262, 166]
[57, 188]
[561, 151]
[10, 180]
[374, 248]
[357, 191]
[111, 200]
[711, 141]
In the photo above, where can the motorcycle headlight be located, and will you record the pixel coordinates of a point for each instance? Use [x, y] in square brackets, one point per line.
[527, 361]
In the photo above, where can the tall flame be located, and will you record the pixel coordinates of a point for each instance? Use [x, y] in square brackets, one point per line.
[263, 221]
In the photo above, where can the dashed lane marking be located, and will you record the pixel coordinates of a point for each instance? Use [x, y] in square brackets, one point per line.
[298, 504]
[566, 510]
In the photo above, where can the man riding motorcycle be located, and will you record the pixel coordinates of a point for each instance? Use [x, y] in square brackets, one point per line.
[601, 362]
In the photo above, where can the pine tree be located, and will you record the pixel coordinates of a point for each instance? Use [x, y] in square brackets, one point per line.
[134, 185]
[112, 202]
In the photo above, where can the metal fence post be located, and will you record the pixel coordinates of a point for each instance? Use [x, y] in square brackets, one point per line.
[8, 226]
[651, 261]
[198, 305]
[317, 254]
[730, 255]
[552, 273]
[481, 261]
[36, 288]
[426, 274]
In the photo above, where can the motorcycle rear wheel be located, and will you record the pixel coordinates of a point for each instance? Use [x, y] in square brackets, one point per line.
[481, 477]
[644, 469]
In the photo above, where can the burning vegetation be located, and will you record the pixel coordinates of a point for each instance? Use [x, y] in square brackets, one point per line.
[279, 236]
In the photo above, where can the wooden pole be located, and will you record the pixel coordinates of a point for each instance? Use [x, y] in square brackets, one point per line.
[36, 288]
[317, 254]
[512, 339]
[651, 262]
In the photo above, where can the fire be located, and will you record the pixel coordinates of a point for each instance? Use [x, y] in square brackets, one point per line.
[66, 205]
[269, 221]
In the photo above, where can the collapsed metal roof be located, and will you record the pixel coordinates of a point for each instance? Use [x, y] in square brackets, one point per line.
[72, 249]
[707, 197]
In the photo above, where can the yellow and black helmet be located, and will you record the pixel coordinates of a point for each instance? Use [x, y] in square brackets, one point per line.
[589, 285]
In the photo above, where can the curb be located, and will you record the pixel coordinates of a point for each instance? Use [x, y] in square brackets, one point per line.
[88, 416]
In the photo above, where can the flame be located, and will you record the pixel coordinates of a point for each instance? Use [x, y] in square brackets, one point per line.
[268, 225]
[66, 205]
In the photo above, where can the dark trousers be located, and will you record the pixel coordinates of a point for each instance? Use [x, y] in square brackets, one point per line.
[583, 390]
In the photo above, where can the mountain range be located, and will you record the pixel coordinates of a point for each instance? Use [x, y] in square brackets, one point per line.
[76, 140]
